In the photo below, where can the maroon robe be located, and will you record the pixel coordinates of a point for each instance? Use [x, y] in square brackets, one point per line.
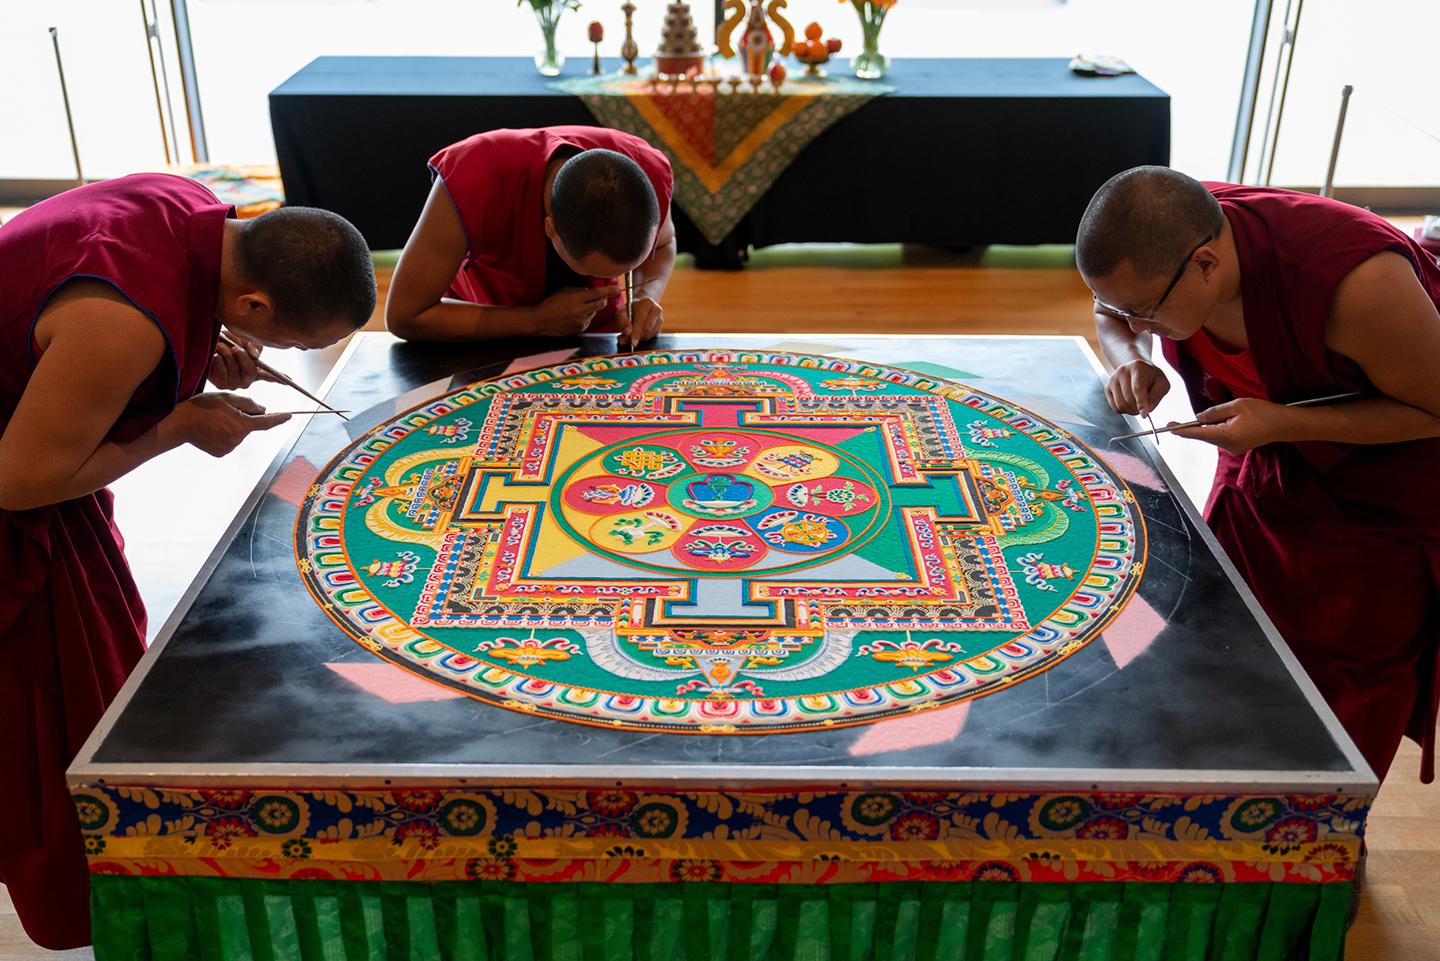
[1340, 542]
[71, 622]
[497, 182]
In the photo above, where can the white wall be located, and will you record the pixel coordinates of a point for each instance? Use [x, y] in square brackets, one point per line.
[107, 72]
[246, 47]
[1193, 51]
[1386, 50]
[1197, 59]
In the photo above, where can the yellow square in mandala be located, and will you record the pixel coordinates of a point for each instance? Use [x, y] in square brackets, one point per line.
[570, 447]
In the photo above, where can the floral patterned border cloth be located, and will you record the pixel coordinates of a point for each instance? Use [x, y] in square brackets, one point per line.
[797, 837]
[726, 149]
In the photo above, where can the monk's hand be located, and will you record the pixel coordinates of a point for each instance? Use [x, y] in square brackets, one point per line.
[1136, 388]
[217, 422]
[1240, 425]
[568, 312]
[233, 368]
[649, 318]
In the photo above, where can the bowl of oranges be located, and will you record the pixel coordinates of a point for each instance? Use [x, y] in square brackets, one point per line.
[814, 52]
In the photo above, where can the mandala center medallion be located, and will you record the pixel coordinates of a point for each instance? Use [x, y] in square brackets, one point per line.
[702, 503]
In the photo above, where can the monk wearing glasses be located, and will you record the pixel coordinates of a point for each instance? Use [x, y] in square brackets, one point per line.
[1260, 298]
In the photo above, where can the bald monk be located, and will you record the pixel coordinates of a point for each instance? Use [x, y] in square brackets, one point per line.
[531, 233]
[1263, 297]
[111, 298]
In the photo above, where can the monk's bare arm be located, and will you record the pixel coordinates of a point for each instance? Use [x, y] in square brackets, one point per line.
[654, 274]
[96, 349]
[1118, 342]
[1383, 320]
[1136, 385]
[417, 308]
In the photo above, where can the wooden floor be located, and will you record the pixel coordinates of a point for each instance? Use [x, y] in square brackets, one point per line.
[841, 289]
[1020, 291]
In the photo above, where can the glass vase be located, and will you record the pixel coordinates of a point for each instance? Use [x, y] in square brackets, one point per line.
[549, 60]
[871, 64]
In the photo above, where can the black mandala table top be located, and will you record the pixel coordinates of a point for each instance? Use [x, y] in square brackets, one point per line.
[885, 560]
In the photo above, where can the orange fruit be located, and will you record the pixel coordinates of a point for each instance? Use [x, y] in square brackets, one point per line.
[814, 32]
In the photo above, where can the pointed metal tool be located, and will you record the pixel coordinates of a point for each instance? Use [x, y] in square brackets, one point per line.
[280, 378]
[1312, 402]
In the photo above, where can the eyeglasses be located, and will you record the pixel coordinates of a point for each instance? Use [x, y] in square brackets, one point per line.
[1123, 314]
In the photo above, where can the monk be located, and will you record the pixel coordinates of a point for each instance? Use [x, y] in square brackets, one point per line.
[111, 299]
[1262, 297]
[532, 232]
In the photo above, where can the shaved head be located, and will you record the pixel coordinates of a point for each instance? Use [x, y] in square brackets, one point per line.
[602, 202]
[313, 264]
[1149, 216]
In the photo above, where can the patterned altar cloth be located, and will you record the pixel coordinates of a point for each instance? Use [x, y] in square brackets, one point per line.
[727, 149]
[805, 836]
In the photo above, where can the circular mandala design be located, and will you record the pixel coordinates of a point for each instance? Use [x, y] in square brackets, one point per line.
[873, 810]
[276, 815]
[1250, 815]
[1063, 813]
[720, 542]
[95, 811]
[654, 820]
[463, 817]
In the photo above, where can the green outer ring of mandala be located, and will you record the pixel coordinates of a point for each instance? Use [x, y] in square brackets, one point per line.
[856, 541]
[331, 579]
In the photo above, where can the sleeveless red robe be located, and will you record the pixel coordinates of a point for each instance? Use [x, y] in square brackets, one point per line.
[71, 622]
[1340, 542]
[497, 182]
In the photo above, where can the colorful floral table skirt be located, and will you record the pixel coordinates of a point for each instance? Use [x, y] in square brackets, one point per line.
[517, 874]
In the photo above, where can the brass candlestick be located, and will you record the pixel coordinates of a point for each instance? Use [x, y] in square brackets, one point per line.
[629, 50]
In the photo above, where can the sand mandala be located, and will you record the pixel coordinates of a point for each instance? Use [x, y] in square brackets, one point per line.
[720, 542]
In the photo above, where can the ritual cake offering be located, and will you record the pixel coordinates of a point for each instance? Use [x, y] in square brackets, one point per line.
[680, 51]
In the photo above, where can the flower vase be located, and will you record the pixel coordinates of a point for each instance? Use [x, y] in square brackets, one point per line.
[871, 64]
[550, 60]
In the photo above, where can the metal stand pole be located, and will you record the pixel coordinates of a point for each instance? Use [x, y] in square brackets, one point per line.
[69, 118]
[160, 78]
[1249, 91]
[1292, 31]
[190, 79]
[1335, 147]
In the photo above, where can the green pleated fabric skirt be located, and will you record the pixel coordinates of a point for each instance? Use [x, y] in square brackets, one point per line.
[217, 919]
